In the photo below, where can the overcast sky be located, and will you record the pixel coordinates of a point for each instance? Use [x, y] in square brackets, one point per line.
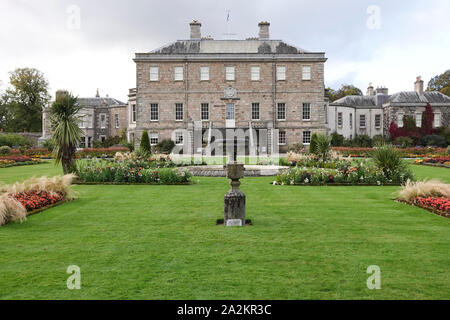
[387, 43]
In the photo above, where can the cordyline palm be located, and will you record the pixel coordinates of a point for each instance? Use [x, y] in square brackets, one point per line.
[66, 133]
[323, 146]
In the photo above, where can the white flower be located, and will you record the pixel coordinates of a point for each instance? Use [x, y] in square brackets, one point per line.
[274, 183]
[379, 183]
[306, 180]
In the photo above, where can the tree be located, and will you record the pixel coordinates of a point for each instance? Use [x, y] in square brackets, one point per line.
[345, 90]
[427, 120]
[24, 101]
[66, 133]
[145, 143]
[440, 82]
[446, 91]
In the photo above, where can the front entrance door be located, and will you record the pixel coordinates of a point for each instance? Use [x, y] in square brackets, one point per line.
[230, 114]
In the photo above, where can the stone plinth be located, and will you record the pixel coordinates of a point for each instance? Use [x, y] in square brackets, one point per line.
[235, 198]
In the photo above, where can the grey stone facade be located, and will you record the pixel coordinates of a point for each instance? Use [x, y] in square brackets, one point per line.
[241, 74]
[100, 118]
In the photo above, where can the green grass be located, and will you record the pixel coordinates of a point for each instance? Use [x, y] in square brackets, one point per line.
[161, 242]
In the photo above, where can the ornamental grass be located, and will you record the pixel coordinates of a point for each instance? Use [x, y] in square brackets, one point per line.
[424, 189]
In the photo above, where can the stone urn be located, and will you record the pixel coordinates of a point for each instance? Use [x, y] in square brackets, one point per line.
[234, 213]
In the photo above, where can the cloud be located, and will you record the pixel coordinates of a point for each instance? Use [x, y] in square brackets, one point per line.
[411, 39]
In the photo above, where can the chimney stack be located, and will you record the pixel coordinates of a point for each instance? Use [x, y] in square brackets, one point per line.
[60, 94]
[264, 30]
[196, 33]
[418, 85]
[382, 90]
[370, 91]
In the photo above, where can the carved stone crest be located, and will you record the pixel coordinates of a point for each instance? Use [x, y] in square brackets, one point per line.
[230, 92]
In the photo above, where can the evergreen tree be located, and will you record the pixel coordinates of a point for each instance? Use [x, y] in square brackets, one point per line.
[145, 143]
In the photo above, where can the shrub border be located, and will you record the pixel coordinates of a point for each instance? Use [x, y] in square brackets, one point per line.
[430, 209]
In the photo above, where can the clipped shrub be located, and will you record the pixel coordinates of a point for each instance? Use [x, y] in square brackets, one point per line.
[337, 140]
[434, 140]
[165, 146]
[145, 143]
[403, 142]
[5, 150]
[363, 141]
[424, 189]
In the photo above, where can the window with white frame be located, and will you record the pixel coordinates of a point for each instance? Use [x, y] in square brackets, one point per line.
[205, 111]
[437, 120]
[378, 121]
[281, 73]
[281, 111]
[306, 137]
[154, 73]
[178, 73]
[362, 120]
[351, 120]
[340, 119]
[116, 120]
[255, 73]
[103, 121]
[229, 73]
[179, 138]
[154, 139]
[418, 120]
[133, 113]
[306, 112]
[178, 111]
[306, 73]
[255, 111]
[281, 137]
[400, 120]
[204, 73]
[154, 112]
[82, 121]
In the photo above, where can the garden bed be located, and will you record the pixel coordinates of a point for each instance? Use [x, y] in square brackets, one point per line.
[432, 209]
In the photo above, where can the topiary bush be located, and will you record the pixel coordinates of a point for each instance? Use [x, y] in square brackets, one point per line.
[145, 143]
[337, 140]
[5, 150]
[434, 141]
[165, 146]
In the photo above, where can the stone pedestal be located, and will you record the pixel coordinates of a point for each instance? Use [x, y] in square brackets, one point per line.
[234, 198]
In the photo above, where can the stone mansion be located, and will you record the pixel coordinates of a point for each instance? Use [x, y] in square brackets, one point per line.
[268, 94]
[262, 86]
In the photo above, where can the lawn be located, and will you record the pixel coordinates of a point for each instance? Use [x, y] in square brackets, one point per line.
[161, 242]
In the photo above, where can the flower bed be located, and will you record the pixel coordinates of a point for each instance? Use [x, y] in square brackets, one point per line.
[362, 173]
[435, 161]
[33, 200]
[11, 161]
[100, 152]
[19, 200]
[418, 152]
[104, 171]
